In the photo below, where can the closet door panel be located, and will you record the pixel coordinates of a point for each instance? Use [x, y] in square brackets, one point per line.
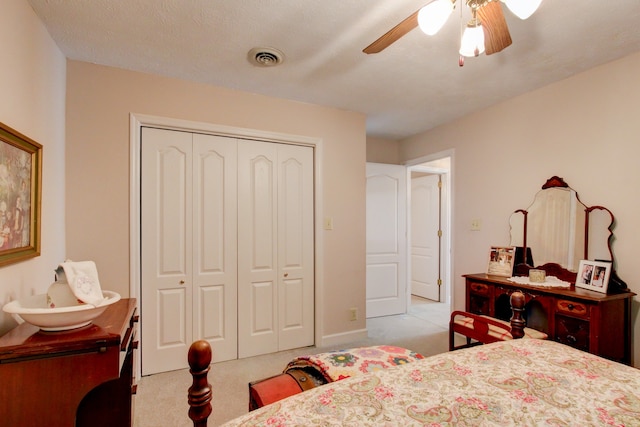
[262, 314]
[211, 306]
[257, 248]
[209, 209]
[261, 210]
[171, 311]
[293, 311]
[215, 243]
[295, 247]
[166, 249]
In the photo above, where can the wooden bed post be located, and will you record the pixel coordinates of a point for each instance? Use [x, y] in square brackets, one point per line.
[517, 308]
[200, 391]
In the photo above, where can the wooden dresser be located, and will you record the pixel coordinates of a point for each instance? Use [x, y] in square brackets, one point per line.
[587, 320]
[80, 377]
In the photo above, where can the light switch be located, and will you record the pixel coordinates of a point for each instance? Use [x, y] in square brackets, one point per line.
[328, 223]
[476, 225]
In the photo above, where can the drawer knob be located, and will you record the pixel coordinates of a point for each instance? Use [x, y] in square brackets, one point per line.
[570, 306]
[572, 339]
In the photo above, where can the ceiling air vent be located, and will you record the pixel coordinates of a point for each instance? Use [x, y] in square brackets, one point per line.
[265, 56]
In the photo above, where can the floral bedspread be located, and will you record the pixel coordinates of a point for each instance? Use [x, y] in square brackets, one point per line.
[341, 364]
[511, 383]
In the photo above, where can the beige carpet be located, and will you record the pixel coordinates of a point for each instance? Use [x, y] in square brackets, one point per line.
[162, 398]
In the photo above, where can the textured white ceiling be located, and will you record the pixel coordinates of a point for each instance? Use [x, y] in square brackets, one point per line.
[412, 86]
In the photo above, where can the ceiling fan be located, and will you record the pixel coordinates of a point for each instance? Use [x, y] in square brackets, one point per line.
[487, 30]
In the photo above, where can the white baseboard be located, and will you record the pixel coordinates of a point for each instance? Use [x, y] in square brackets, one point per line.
[342, 338]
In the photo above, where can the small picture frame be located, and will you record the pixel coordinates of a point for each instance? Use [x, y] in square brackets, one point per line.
[501, 261]
[593, 275]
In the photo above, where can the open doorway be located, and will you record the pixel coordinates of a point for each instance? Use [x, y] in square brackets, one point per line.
[397, 264]
[429, 236]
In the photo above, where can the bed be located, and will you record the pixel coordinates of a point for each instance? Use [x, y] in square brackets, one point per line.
[515, 382]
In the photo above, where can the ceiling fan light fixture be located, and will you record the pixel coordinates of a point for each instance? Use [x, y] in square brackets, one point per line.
[472, 43]
[432, 17]
[523, 8]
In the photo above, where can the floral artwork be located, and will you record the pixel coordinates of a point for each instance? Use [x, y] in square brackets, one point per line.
[20, 190]
[15, 197]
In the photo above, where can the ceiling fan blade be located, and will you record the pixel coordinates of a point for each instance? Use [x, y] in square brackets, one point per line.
[393, 34]
[496, 32]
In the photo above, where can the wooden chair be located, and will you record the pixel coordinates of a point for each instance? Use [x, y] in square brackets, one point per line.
[479, 329]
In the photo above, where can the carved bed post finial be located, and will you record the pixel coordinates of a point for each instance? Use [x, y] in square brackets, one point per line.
[517, 308]
[200, 391]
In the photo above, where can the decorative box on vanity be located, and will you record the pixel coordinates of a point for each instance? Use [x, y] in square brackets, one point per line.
[77, 377]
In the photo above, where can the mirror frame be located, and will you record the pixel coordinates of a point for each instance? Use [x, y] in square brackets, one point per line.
[554, 269]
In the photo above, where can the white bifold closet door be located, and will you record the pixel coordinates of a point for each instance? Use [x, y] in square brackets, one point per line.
[227, 247]
[275, 247]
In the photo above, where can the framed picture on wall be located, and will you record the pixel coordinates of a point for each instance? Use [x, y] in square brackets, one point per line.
[593, 275]
[20, 195]
[501, 260]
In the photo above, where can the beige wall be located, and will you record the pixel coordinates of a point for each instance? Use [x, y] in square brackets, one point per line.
[32, 84]
[584, 129]
[382, 151]
[99, 101]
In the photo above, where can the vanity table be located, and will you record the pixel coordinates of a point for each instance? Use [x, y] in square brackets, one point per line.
[553, 234]
[78, 377]
[587, 320]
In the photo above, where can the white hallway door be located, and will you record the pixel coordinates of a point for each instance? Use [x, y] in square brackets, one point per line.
[190, 264]
[386, 239]
[425, 236]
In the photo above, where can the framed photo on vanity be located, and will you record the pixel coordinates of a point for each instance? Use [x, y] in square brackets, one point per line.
[593, 275]
[501, 260]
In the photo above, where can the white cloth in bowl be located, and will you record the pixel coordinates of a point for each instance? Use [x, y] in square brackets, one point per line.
[83, 280]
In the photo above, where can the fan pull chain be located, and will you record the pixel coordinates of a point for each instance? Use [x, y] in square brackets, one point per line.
[461, 57]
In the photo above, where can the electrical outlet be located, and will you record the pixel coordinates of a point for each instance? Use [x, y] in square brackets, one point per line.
[476, 225]
[354, 313]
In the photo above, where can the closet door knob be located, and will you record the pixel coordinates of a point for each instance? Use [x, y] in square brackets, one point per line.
[182, 282]
[286, 274]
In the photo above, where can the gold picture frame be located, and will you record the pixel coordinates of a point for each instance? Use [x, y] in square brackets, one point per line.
[20, 196]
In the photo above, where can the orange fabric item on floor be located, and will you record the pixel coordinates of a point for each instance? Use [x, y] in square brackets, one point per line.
[271, 390]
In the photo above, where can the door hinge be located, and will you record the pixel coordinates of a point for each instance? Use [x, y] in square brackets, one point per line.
[439, 233]
[439, 282]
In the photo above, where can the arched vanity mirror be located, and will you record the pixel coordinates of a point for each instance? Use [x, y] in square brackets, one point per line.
[557, 231]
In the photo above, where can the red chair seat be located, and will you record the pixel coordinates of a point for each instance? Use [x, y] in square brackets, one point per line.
[484, 329]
